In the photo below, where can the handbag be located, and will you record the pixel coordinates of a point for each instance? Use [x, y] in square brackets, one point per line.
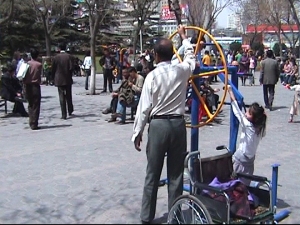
[22, 70]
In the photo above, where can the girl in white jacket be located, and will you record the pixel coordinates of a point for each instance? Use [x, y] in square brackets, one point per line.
[296, 101]
[253, 126]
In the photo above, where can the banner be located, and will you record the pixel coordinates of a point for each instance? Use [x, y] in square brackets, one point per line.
[167, 15]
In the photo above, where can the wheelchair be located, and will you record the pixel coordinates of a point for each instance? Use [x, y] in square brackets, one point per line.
[208, 204]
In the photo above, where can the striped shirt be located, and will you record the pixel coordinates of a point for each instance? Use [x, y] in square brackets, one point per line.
[164, 90]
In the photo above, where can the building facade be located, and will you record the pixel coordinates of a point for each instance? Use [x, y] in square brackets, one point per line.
[269, 34]
[234, 22]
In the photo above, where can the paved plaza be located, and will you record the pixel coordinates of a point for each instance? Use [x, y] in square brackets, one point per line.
[86, 170]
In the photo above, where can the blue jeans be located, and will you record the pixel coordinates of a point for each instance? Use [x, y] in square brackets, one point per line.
[282, 77]
[289, 79]
[121, 107]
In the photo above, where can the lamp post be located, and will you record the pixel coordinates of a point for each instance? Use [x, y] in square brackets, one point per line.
[136, 24]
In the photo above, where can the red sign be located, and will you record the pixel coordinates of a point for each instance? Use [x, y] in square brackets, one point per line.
[269, 28]
[167, 15]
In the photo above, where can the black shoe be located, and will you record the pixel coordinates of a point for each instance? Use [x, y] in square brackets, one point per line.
[104, 91]
[63, 118]
[35, 128]
[106, 111]
[145, 222]
[70, 113]
[120, 122]
[25, 115]
[113, 117]
[112, 120]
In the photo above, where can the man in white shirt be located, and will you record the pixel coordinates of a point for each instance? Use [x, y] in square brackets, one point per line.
[87, 63]
[162, 103]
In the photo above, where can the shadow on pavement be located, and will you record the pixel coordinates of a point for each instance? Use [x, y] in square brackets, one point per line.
[295, 122]
[9, 115]
[282, 204]
[55, 126]
[161, 220]
[278, 107]
[83, 115]
[46, 97]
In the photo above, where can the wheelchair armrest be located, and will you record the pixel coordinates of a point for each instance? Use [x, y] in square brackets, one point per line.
[207, 187]
[252, 177]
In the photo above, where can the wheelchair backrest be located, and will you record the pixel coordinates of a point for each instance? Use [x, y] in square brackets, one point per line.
[208, 168]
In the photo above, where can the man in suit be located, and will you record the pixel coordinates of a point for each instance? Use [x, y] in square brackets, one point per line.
[11, 89]
[32, 81]
[62, 70]
[108, 63]
[269, 75]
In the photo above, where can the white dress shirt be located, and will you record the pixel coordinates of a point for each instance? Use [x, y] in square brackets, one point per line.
[87, 63]
[164, 90]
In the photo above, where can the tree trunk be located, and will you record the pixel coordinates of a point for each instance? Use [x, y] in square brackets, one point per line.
[48, 43]
[296, 18]
[135, 42]
[93, 67]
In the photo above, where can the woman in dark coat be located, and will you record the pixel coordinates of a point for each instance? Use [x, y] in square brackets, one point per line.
[11, 89]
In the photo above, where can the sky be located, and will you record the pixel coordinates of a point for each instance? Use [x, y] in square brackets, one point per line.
[222, 18]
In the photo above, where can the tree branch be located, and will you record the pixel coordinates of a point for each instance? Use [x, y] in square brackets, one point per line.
[10, 14]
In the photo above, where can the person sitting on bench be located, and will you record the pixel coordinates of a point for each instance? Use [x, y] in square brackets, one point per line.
[115, 95]
[11, 89]
[130, 95]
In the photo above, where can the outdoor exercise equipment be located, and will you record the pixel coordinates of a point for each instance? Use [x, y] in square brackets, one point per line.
[222, 72]
[194, 80]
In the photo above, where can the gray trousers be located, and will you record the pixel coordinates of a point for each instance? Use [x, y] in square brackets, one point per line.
[247, 168]
[164, 136]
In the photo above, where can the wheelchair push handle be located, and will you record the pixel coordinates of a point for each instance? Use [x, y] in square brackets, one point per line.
[188, 156]
[222, 147]
[187, 166]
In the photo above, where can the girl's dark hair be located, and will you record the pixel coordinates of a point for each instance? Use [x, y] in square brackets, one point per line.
[259, 118]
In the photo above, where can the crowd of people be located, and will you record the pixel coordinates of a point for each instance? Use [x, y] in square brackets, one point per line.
[28, 87]
[159, 95]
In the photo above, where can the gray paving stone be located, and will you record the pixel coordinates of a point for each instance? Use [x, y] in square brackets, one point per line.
[85, 170]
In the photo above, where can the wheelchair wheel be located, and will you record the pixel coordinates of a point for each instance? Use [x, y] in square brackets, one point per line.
[187, 209]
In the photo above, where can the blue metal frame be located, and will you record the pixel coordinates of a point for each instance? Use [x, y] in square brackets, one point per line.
[234, 128]
[234, 123]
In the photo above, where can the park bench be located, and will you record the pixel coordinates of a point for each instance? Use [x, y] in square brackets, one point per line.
[244, 77]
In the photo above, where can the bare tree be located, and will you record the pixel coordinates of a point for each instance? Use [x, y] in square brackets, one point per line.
[295, 4]
[49, 13]
[100, 12]
[290, 22]
[174, 6]
[142, 10]
[276, 12]
[10, 11]
[204, 13]
[251, 13]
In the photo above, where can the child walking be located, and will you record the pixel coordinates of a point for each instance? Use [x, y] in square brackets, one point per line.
[296, 102]
[253, 125]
